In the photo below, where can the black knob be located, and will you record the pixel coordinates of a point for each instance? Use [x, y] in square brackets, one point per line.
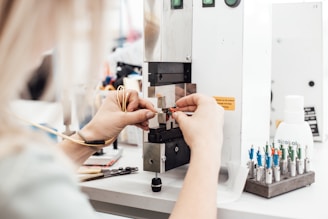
[311, 83]
[156, 184]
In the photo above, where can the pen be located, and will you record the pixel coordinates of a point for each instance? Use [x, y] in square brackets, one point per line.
[300, 160]
[260, 168]
[283, 161]
[250, 163]
[276, 167]
[268, 170]
[292, 163]
[307, 160]
[266, 149]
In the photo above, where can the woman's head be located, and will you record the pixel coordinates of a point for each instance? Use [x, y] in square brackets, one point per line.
[28, 28]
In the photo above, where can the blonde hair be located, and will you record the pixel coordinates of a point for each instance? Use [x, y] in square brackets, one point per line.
[27, 27]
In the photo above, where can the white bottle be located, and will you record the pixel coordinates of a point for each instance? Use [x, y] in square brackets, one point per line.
[294, 130]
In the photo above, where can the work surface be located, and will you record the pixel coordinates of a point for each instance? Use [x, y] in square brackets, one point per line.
[131, 195]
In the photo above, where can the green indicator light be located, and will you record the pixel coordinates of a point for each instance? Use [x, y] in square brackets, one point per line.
[232, 3]
[176, 4]
[208, 3]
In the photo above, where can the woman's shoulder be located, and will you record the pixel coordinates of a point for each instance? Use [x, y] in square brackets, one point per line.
[40, 177]
[33, 163]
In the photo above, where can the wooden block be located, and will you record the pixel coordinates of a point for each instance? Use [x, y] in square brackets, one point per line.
[286, 184]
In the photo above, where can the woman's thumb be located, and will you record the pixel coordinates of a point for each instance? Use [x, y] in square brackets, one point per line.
[138, 116]
[180, 117]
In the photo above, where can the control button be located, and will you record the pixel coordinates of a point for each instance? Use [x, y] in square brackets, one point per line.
[232, 3]
[311, 83]
[208, 3]
[176, 4]
[156, 184]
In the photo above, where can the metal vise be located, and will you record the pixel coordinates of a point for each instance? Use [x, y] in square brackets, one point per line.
[165, 147]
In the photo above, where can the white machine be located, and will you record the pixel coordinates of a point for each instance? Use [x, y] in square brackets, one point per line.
[231, 61]
[222, 47]
[299, 61]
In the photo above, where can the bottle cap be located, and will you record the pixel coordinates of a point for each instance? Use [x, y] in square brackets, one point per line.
[294, 109]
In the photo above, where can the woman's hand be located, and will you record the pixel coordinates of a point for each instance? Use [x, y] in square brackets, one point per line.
[110, 119]
[109, 122]
[203, 130]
